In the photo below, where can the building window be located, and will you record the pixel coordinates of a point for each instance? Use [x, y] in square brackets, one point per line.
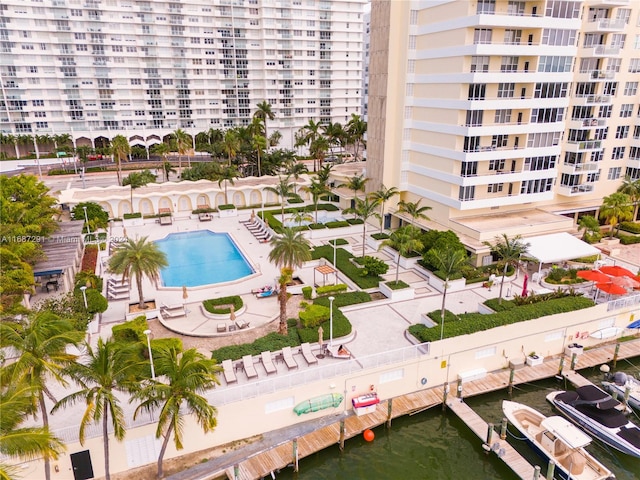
[634, 65]
[496, 165]
[554, 64]
[503, 116]
[482, 36]
[474, 117]
[622, 131]
[618, 153]
[506, 90]
[469, 169]
[630, 88]
[486, 6]
[509, 64]
[610, 88]
[477, 91]
[479, 63]
[626, 110]
[467, 193]
[495, 187]
[614, 173]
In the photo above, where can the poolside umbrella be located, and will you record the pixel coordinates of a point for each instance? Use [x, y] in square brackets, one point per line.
[232, 313]
[626, 282]
[253, 215]
[524, 285]
[616, 271]
[185, 294]
[610, 288]
[320, 333]
[594, 276]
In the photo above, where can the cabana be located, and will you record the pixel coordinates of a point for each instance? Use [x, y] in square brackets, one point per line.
[557, 247]
[165, 216]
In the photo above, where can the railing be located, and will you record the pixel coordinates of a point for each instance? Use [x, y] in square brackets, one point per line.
[623, 302]
[587, 145]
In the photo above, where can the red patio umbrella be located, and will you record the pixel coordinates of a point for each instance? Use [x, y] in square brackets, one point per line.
[610, 288]
[594, 276]
[616, 271]
[625, 282]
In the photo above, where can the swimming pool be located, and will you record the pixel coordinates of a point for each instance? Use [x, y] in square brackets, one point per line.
[201, 258]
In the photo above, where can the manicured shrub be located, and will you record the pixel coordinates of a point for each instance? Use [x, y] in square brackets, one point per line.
[316, 226]
[628, 239]
[307, 292]
[314, 315]
[345, 266]
[338, 242]
[373, 266]
[227, 206]
[131, 331]
[220, 306]
[337, 224]
[132, 215]
[380, 236]
[397, 286]
[355, 221]
[269, 343]
[331, 289]
[631, 227]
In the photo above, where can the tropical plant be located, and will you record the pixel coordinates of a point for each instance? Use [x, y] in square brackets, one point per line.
[284, 189]
[120, 148]
[288, 250]
[405, 240]
[317, 188]
[414, 210]
[188, 376]
[137, 180]
[300, 216]
[103, 372]
[264, 113]
[508, 250]
[632, 188]
[231, 143]
[163, 149]
[616, 208]
[590, 227]
[383, 195]
[318, 150]
[335, 134]
[259, 143]
[40, 343]
[227, 174]
[356, 129]
[183, 142]
[357, 183]
[364, 209]
[296, 170]
[138, 258]
[83, 152]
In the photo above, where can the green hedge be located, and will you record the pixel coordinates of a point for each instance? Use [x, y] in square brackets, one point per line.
[131, 331]
[227, 206]
[316, 226]
[132, 215]
[341, 325]
[475, 322]
[380, 236]
[331, 289]
[307, 292]
[631, 227]
[396, 286]
[314, 315]
[337, 224]
[355, 221]
[345, 266]
[211, 305]
[339, 241]
[628, 239]
[276, 225]
[269, 343]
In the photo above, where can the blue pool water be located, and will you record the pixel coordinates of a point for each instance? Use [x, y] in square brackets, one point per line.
[201, 258]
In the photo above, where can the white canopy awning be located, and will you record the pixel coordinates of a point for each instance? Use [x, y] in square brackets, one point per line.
[558, 247]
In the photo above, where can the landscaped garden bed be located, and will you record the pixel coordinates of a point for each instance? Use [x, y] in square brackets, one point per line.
[222, 305]
[345, 266]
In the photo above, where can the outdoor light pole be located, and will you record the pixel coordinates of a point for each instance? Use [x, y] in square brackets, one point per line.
[153, 370]
[331, 299]
[84, 297]
[86, 218]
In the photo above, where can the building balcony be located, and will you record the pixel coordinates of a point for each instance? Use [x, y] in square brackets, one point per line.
[585, 123]
[585, 146]
[605, 25]
[594, 75]
[593, 100]
[608, 3]
[601, 51]
[573, 168]
[575, 190]
[503, 19]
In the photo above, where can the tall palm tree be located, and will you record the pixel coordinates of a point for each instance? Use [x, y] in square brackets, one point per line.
[317, 188]
[25, 443]
[383, 195]
[231, 143]
[138, 258]
[590, 227]
[120, 148]
[405, 240]
[103, 372]
[616, 208]
[40, 342]
[227, 174]
[508, 250]
[356, 129]
[357, 183]
[188, 375]
[318, 150]
[364, 209]
[137, 180]
[290, 249]
[414, 210]
[632, 188]
[264, 113]
[183, 143]
[162, 149]
[259, 143]
[448, 260]
[284, 189]
[296, 170]
[334, 133]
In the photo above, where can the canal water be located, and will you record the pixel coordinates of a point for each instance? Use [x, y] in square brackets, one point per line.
[436, 446]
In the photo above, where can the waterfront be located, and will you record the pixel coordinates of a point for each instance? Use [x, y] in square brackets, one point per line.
[430, 445]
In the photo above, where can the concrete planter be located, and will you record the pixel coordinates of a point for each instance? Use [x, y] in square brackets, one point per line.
[397, 295]
[572, 348]
[149, 312]
[373, 243]
[406, 263]
[454, 285]
[232, 212]
[533, 360]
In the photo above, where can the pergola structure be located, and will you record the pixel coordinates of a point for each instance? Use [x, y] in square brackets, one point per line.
[324, 270]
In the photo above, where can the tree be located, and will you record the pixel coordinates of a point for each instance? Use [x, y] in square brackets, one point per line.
[316, 188]
[405, 240]
[284, 189]
[264, 113]
[590, 227]
[449, 261]
[632, 188]
[231, 144]
[138, 258]
[300, 216]
[296, 170]
[183, 142]
[188, 375]
[383, 195]
[288, 250]
[227, 175]
[356, 183]
[163, 149]
[18, 442]
[83, 152]
[414, 210]
[120, 148]
[508, 250]
[103, 372]
[356, 129]
[259, 143]
[96, 215]
[137, 180]
[364, 209]
[39, 342]
[616, 208]
[318, 150]
[335, 135]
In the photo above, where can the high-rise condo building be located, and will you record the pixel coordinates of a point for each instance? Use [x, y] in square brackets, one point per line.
[504, 116]
[148, 67]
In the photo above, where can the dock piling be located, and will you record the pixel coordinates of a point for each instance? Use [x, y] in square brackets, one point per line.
[512, 374]
[295, 454]
[389, 410]
[536, 472]
[445, 392]
[615, 355]
[489, 434]
[551, 469]
[561, 366]
[236, 472]
[503, 429]
[342, 435]
[574, 360]
[459, 388]
[627, 392]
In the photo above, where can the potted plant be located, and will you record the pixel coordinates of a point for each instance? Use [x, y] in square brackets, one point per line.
[533, 359]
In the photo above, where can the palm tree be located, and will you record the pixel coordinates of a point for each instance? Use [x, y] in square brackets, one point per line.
[188, 376]
[414, 210]
[509, 251]
[120, 148]
[288, 250]
[301, 216]
[183, 142]
[448, 260]
[364, 209]
[632, 188]
[163, 149]
[264, 113]
[40, 342]
[356, 129]
[137, 180]
[284, 189]
[259, 143]
[357, 183]
[138, 258]
[316, 188]
[103, 372]
[616, 208]
[383, 195]
[334, 133]
[591, 227]
[296, 170]
[227, 174]
[231, 143]
[318, 150]
[405, 240]
[17, 442]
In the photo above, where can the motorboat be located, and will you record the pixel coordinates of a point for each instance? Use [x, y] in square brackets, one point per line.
[555, 438]
[598, 413]
[617, 385]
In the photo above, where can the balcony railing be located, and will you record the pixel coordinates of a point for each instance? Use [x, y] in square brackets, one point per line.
[575, 189]
[587, 145]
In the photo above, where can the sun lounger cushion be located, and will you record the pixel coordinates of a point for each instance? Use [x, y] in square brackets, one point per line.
[308, 354]
[287, 356]
[249, 369]
[268, 362]
[173, 313]
[227, 370]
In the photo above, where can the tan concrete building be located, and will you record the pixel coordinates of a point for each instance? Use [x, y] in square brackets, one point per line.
[504, 116]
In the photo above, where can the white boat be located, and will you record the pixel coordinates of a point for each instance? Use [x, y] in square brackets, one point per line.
[554, 438]
[619, 383]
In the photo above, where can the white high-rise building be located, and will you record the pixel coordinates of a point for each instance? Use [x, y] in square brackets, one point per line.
[143, 69]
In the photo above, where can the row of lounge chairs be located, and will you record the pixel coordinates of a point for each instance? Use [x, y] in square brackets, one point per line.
[173, 311]
[257, 229]
[266, 358]
[118, 290]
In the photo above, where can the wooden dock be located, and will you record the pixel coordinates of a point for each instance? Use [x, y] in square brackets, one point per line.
[280, 456]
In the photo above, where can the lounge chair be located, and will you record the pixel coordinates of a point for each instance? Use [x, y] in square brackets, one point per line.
[118, 290]
[117, 283]
[241, 324]
[263, 236]
[287, 356]
[267, 294]
[249, 369]
[173, 313]
[308, 354]
[175, 306]
[121, 296]
[268, 363]
[227, 370]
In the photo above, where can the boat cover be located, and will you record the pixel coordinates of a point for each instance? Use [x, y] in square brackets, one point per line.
[609, 417]
[631, 435]
[319, 403]
[561, 428]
